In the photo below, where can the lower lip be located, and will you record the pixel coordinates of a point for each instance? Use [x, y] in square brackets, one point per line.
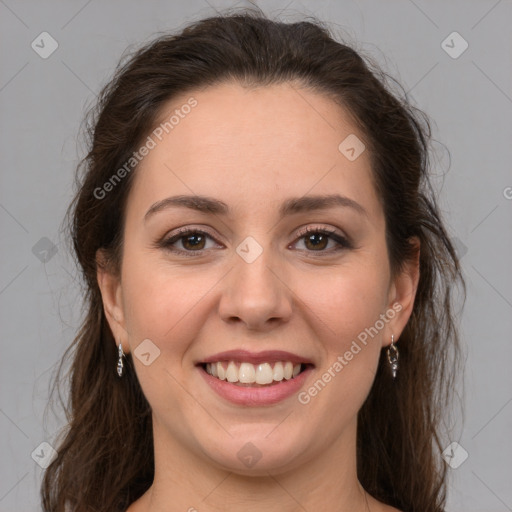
[256, 396]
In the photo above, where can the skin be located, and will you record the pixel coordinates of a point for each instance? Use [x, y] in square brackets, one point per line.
[252, 149]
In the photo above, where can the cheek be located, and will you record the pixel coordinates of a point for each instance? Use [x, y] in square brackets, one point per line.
[347, 306]
[163, 303]
[169, 308]
[346, 301]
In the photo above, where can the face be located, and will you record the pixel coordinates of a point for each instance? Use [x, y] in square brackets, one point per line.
[281, 259]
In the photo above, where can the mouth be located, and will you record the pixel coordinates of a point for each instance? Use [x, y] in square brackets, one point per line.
[255, 379]
[245, 374]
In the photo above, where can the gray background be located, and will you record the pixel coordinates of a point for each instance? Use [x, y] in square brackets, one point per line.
[469, 98]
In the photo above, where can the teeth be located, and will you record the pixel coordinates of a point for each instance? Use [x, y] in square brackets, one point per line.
[278, 371]
[221, 373]
[264, 374]
[247, 373]
[232, 372]
[288, 370]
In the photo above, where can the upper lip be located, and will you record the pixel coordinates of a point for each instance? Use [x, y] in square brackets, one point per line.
[266, 356]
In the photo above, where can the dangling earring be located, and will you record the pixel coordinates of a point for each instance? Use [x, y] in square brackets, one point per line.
[120, 361]
[393, 357]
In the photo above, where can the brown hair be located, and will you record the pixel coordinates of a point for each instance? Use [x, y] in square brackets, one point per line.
[106, 458]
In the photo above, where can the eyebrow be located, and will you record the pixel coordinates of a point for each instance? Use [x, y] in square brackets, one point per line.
[290, 206]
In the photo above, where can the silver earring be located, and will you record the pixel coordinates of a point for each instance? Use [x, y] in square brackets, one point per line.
[120, 361]
[393, 357]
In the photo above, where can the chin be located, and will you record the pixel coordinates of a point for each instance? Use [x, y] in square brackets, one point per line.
[258, 454]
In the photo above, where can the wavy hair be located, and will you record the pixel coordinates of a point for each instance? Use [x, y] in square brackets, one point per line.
[106, 458]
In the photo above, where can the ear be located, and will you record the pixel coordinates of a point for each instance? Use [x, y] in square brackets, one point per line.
[109, 283]
[402, 293]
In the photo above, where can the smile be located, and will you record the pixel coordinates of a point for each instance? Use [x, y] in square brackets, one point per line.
[255, 379]
[244, 373]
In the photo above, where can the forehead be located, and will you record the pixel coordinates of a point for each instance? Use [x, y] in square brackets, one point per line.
[254, 145]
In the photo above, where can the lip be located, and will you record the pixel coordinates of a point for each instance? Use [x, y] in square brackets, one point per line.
[266, 356]
[257, 396]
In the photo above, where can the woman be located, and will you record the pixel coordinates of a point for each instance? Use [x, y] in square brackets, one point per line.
[268, 284]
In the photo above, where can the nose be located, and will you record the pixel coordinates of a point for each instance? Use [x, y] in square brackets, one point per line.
[256, 294]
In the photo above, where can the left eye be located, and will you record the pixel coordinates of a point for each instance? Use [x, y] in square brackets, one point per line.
[318, 239]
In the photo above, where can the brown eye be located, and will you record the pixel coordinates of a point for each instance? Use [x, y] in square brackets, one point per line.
[188, 241]
[318, 240]
[193, 241]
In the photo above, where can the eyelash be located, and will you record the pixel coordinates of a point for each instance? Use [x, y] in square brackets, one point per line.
[343, 243]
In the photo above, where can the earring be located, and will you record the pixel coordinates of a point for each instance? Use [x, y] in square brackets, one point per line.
[393, 357]
[120, 361]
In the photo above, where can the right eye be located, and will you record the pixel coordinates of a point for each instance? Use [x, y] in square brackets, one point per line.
[191, 240]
